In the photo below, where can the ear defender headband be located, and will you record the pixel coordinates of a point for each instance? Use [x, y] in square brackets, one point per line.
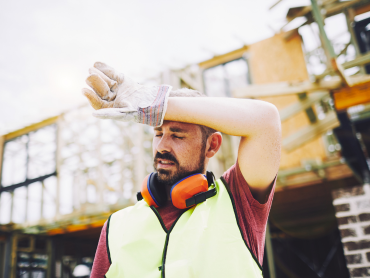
[188, 192]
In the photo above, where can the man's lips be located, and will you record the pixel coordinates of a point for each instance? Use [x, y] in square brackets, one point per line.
[165, 163]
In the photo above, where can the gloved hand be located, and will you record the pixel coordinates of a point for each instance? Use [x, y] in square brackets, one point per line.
[118, 97]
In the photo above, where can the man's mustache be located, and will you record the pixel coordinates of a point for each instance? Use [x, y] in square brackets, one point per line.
[167, 156]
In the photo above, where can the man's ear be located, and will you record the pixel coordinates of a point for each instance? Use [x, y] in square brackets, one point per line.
[213, 144]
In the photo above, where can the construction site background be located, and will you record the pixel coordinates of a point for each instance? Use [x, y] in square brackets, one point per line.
[62, 176]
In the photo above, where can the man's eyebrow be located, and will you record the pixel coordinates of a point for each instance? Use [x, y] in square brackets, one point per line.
[158, 128]
[178, 129]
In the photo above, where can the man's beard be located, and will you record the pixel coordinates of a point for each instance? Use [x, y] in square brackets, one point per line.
[168, 178]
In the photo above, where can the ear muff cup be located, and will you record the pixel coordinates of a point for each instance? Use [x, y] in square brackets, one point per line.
[153, 195]
[187, 188]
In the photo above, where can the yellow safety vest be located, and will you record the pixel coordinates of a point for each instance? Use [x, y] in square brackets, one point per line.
[205, 241]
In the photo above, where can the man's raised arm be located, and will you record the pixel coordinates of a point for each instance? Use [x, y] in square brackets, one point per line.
[116, 96]
[257, 122]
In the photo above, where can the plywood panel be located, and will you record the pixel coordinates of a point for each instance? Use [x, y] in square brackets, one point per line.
[276, 60]
[313, 149]
[279, 60]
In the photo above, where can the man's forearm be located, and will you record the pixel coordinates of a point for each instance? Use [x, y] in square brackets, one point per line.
[239, 117]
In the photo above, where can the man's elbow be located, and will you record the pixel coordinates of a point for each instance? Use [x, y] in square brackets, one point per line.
[272, 117]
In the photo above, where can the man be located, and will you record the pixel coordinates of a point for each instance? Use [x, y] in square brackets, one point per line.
[220, 237]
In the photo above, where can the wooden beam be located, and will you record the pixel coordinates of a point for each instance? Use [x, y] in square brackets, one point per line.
[341, 6]
[333, 171]
[58, 163]
[30, 128]
[285, 88]
[362, 9]
[63, 224]
[303, 12]
[297, 107]
[276, 3]
[224, 58]
[327, 45]
[13, 259]
[2, 140]
[51, 257]
[310, 132]
[334, 9]
[76, 227]
[284, 173]
[358, 61]
[291, 88]
[347, 97]
[42, 200]
[194, 83]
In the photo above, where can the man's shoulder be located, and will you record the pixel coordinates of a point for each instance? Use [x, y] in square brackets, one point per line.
[129, 209]
[231, 175]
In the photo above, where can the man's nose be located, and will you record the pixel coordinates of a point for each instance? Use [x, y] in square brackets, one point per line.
[164, 145]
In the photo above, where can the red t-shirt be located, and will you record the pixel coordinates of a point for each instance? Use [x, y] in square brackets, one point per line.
[252, 218]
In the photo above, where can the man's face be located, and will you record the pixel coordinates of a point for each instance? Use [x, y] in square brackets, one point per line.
[178, 151]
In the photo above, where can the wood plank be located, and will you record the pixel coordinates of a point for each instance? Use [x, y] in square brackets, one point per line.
[194, 83]
[51, 257]
[98, 223]
[30, 128]
[56, 231]
[341, 6]
[297, 107]
[292, 88]
[273, 5]
[300, 176]
[362, 9]
[358, 61]
[299, 170]
[303, 12]
[347, 97]
[224, 58]
[310, 132]
[58, 163]
[285, 88]
[2, 140]
[13, 259]
[77, 227]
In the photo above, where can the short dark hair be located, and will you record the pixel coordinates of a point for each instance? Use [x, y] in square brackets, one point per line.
[185, 92]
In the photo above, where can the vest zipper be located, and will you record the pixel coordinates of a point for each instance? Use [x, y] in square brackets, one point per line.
[164, 255]
[162, 267]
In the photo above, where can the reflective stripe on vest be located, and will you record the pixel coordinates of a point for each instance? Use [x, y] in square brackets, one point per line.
[205, 241]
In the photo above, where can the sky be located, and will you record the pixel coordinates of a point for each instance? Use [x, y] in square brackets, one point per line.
[47, 46]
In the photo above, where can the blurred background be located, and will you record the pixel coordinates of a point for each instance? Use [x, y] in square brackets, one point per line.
[63, 172]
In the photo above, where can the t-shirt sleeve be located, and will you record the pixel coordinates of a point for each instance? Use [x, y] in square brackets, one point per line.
[251, 214]
[101, 261]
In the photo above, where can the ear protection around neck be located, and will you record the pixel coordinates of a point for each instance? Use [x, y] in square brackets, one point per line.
[188, 192]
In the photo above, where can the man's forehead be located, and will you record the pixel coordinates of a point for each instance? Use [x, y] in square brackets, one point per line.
[177, 127]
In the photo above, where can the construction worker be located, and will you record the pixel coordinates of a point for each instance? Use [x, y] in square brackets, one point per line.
[187, 224]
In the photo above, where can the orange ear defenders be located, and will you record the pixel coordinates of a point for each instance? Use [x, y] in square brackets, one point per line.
[188, 192]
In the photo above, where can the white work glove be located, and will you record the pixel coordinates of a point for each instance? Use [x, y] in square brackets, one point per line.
[118, 97]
